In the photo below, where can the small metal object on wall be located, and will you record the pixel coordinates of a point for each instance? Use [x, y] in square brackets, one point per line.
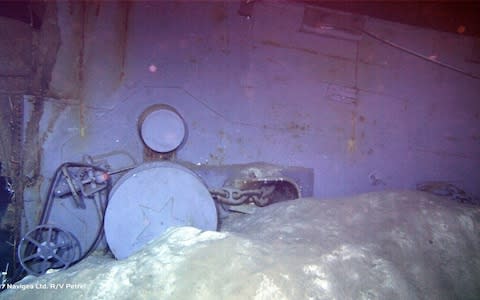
[162, 129]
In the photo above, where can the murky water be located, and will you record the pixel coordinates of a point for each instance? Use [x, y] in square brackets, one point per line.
[6, 249]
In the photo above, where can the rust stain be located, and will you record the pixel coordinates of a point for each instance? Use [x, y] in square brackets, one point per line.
[32, 159]
[56, 111]
[292, 126]
[71, 9]
[218, 157]
[81, 63]
[81, 53]
[351, 145]
[305, 50]
[221, 133]
[368, 61]
[121, 39]
[448, 154]
[218, 12]
[278, 45]
[451, 138]
[224, 136]
[97, 7]
[280, 78]
[124, 37]
[361, 119]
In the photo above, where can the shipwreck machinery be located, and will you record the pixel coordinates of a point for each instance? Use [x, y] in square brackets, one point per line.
[48, 246]
[92, 205]
[149, 199]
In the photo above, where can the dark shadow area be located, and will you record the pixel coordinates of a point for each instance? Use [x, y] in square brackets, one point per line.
[30, 12]
[449, 16]
[5, 234]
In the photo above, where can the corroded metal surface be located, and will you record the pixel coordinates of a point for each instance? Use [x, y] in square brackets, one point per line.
[151, 198]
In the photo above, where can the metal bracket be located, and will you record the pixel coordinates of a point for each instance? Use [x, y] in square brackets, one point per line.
[73, 189]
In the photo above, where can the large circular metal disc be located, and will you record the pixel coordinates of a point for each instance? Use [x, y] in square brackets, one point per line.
[151, 198]
[162, 129]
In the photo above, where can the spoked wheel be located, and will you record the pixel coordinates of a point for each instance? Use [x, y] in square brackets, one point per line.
[48, 247]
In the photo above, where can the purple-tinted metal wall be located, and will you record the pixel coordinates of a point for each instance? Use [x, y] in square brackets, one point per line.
[365, 115]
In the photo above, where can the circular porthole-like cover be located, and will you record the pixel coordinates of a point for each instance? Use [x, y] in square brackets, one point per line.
[151, 198]
[162, 128]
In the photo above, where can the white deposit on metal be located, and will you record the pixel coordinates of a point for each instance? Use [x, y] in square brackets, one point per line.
[151, 198]
[389, 245]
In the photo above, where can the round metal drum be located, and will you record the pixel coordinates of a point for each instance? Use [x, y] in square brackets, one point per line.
[162, 128]
[151, 198]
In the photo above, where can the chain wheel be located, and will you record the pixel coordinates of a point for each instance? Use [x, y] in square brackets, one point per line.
[47, 247]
